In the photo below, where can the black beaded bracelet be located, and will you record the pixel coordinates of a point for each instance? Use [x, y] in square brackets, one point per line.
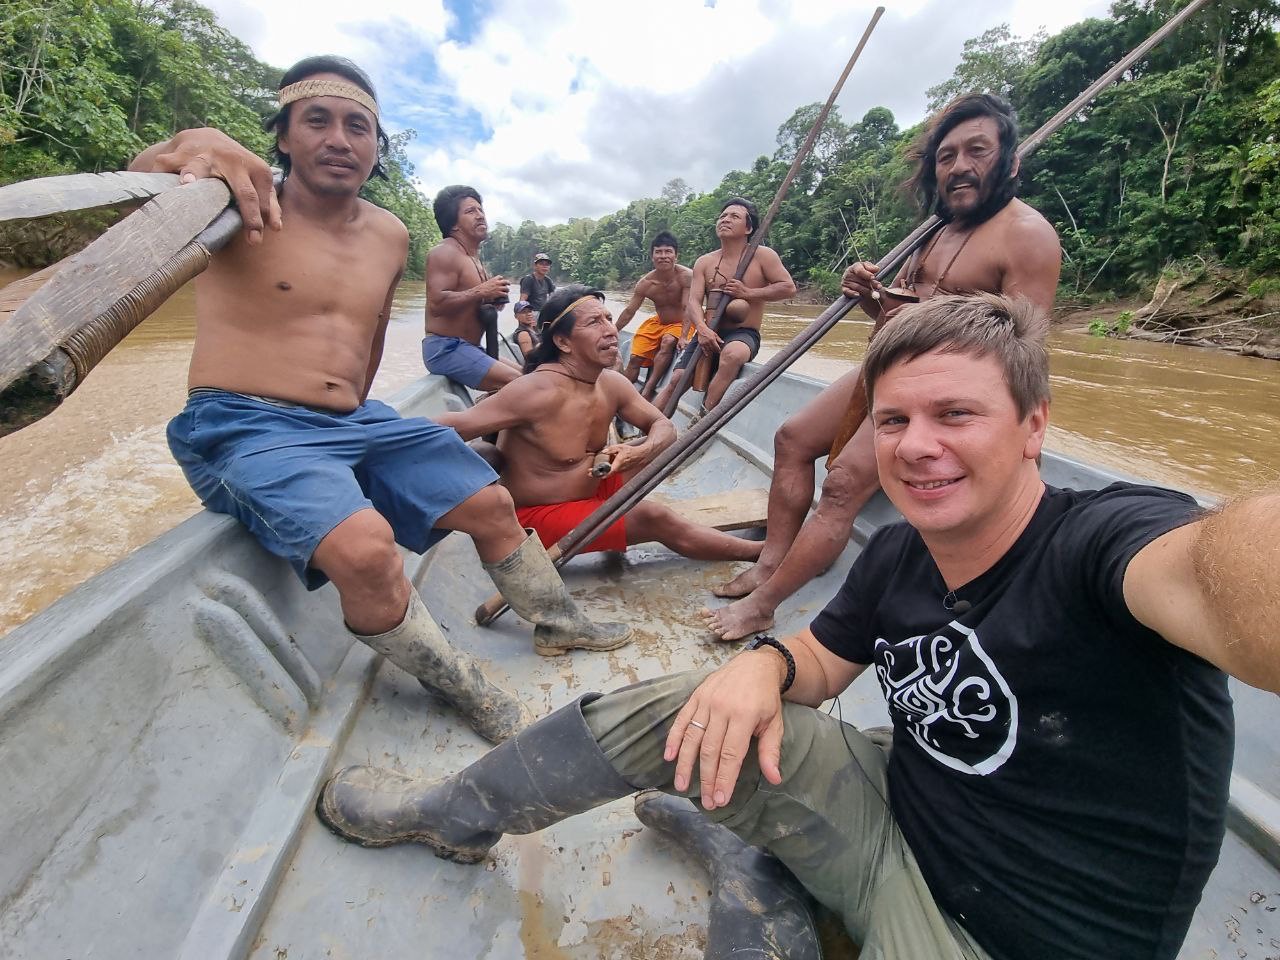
[764, 640]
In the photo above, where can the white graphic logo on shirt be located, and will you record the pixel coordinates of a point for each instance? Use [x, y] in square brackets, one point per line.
[951, 698]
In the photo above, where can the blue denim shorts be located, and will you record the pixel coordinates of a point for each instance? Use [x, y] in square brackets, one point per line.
[291, 474]
[456, 359]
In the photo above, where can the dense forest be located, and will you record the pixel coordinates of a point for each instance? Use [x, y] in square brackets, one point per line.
[86, 84]
[1179, 160]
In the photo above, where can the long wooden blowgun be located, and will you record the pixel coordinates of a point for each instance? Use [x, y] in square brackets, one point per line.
[647, 479]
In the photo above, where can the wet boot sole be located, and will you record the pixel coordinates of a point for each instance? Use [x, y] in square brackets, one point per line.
[435, 846]
[556, 651]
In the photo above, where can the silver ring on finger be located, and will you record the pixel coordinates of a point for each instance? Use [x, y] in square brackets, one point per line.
[695, 723]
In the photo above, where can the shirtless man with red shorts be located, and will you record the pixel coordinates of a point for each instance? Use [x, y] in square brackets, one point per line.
[555, 419]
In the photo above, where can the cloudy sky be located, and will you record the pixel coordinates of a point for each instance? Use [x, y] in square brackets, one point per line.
[555, 110]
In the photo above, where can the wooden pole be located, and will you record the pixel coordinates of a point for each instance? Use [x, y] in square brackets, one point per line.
[737, 399]
[857, 411]
[722, 300]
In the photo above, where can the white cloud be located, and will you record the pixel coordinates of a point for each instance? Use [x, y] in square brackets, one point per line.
[584, 106]
[284, 32]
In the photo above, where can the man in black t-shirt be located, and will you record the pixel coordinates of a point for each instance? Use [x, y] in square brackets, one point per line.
[1055, 665]
[537, 286]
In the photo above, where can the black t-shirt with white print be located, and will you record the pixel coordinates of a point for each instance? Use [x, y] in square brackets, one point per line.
[1059, 770]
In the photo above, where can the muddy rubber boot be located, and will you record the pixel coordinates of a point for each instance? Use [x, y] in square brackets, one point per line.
[418, 646]
[758, 909]
[547, 772]
[531, 585]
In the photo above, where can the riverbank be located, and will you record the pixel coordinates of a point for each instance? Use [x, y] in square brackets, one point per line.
[1197, 304]
[1194, 305]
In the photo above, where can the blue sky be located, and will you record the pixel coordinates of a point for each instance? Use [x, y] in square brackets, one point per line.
[555, 110]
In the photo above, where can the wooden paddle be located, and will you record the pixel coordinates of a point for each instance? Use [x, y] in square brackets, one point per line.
[737, 399]
[80, 191]
[59, 331]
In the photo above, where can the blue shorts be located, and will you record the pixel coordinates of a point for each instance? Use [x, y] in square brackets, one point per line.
[456, 359]
[291, 474]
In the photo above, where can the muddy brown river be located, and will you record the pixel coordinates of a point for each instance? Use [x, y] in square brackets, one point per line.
[94, 480]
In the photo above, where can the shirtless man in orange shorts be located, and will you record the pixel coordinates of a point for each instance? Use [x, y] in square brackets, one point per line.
[658, 338]
[555, 419]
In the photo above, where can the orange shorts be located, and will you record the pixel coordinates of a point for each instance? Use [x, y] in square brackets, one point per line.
[551, 521]
[648, 337]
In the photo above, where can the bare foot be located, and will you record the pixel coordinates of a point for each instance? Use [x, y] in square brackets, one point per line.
[744, 582]
[741, 619]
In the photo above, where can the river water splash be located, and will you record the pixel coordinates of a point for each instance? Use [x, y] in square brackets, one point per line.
[94, 480]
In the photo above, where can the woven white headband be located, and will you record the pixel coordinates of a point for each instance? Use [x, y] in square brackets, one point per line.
[305, 89]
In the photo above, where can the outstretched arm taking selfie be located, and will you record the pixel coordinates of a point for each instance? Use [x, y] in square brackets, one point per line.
[1213, 587]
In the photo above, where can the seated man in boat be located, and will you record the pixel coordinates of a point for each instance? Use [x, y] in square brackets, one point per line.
[738, 342]
[279, 430]
[655, 342]
[463, 301]
[526, 335]
[554, 422]
[1054, 663]
[966, 172]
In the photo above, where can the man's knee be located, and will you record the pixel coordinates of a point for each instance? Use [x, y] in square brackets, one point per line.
[360, 551]
[645, 522]
[498, 376]
[734, 356]
[631, 724]
[845, 489]
[493, 506]
[795, 440]
[667, 345]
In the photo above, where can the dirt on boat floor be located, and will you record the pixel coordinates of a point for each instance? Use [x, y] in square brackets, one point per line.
[1206, 306]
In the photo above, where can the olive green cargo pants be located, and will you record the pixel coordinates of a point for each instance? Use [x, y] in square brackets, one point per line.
[827, 821]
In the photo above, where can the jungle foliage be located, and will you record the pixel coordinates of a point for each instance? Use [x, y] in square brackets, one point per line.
[1179, 159]
[86, 84]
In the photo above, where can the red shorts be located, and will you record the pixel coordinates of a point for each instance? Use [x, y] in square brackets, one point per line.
[551, 521]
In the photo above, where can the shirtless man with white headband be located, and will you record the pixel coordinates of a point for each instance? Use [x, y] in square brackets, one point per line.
[279, 430]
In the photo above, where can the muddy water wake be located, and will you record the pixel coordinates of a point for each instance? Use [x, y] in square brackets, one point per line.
[94, 480]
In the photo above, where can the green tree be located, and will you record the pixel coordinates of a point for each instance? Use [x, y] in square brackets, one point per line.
[399, 193]
[675, 192]
[1178, 159]
[995, 62]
